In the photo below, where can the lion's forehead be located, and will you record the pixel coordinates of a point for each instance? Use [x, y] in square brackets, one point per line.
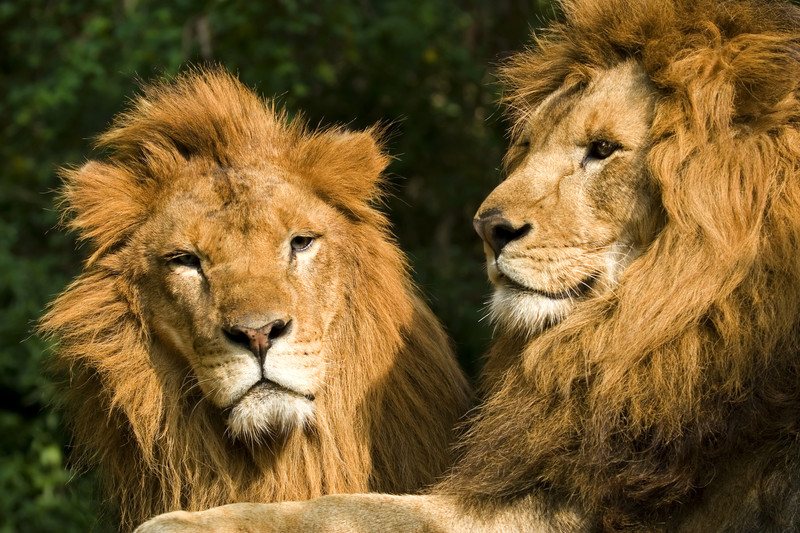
[218, 190]
[602, 106]
[230, 209]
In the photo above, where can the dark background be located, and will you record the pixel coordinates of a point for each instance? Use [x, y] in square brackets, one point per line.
[67, 66]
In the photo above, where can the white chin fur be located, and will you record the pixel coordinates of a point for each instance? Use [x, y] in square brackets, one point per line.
[265, 412]
[527, 312]
[531, 313]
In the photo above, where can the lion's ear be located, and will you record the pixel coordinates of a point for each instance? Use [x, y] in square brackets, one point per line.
[346, 166]
[102, 203]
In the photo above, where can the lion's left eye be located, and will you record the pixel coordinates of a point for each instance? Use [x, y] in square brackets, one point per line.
[301, 242]
[599, 150]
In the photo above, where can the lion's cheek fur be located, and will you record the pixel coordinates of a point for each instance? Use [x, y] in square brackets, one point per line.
[567, 221]
[189, 311]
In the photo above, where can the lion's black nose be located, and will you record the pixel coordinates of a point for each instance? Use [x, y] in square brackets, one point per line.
[257, 340]
[497, 231]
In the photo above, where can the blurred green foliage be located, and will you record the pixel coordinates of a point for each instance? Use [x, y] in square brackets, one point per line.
[67, 66]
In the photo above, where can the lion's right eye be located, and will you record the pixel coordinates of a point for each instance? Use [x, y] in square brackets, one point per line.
[184, 259]
[300, 243]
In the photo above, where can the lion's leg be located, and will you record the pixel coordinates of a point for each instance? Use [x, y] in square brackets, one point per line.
[373, 513]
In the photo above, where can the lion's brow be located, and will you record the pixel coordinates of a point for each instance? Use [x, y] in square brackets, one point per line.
[550, 112]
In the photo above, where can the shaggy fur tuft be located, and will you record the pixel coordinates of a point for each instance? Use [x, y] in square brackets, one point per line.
[383, 421]
[636, 402]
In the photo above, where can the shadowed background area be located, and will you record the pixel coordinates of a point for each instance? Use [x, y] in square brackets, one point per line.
[66, 67]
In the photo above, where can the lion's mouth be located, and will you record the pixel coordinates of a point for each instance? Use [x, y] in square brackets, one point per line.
[579, 290]
[264, 389]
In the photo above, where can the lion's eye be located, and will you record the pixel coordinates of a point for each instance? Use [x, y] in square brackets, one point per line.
[599, 150]
[183, 259]
[301, 242]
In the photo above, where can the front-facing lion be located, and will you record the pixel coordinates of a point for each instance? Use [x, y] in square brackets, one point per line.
[245, 328]
[645, 253]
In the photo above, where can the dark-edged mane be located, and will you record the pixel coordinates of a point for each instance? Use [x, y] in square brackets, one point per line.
[628, 404]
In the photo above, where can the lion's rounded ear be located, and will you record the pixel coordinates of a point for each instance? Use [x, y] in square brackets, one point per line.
[101, 202]
[347, 166]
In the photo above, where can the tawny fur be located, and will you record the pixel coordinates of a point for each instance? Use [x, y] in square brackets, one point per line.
[383, 422]
[669, 401]
[637, 404]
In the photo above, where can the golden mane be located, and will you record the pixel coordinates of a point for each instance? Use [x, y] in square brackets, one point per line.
[384, 420]
[628, 406]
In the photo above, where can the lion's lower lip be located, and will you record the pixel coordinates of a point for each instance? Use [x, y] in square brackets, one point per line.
[578, 291]
[273, 385]
[265, 386]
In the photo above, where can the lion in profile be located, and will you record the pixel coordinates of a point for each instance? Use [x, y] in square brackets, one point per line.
[645, 254]
[245, 328]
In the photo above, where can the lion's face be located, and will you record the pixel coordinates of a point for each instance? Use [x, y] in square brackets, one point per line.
[241, 276]
[577, 206]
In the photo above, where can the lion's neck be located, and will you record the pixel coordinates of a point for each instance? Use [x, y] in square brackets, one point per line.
[630, 438]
